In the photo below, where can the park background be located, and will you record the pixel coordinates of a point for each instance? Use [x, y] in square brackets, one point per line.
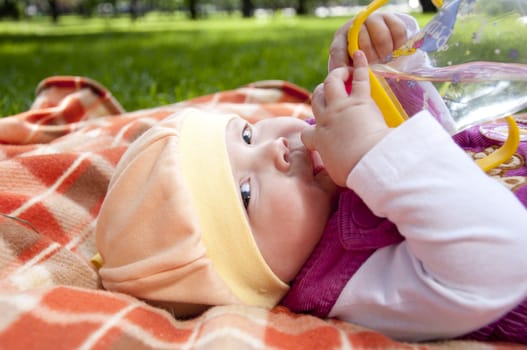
[155, 52]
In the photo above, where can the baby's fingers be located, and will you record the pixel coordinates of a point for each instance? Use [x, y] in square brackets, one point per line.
[338, 52]
[308, 137]
[335, 84]
[361, 76]
[318, 101]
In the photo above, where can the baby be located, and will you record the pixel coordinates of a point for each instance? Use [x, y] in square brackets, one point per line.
[393, 229]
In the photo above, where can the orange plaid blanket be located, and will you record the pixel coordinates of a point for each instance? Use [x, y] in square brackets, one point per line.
[56, 160]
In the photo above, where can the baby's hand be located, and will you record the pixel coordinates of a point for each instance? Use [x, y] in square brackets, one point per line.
[347, 127]
[380, 34]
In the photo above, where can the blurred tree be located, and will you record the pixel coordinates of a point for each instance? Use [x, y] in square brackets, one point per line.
[88, 7]
[9, 8]
[427, 6]
[134, 9]
[54, 10]
[247, 8]
[192, 8]
[301, 8]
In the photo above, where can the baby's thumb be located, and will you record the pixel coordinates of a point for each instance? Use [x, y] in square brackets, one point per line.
[308, 137]
[361, 76]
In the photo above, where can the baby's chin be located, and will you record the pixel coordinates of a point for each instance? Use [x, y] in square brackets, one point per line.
[326, 184]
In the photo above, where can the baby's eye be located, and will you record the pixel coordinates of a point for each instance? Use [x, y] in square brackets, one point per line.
[245, 191]
[247, 134]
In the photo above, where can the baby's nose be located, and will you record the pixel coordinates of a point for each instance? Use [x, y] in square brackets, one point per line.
[280, 153]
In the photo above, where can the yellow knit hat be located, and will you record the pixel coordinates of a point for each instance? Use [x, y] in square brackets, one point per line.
[172, 229]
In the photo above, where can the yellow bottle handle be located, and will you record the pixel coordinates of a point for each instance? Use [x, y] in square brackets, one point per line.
[392, 110]
[438, 3]
[506, 150]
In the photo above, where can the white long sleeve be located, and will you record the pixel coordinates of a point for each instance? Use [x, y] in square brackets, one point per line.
[464, 261]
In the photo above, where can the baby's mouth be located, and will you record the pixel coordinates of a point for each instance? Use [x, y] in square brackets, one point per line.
[316, 160]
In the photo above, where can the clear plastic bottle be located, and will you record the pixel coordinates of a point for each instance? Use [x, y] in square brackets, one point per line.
[467, 66]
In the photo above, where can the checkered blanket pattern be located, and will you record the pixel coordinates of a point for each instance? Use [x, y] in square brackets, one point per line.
[56, 160]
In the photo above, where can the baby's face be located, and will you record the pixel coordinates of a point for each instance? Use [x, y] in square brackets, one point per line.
[284, 188]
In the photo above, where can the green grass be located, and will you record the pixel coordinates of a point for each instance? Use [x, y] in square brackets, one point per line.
[161, 59]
